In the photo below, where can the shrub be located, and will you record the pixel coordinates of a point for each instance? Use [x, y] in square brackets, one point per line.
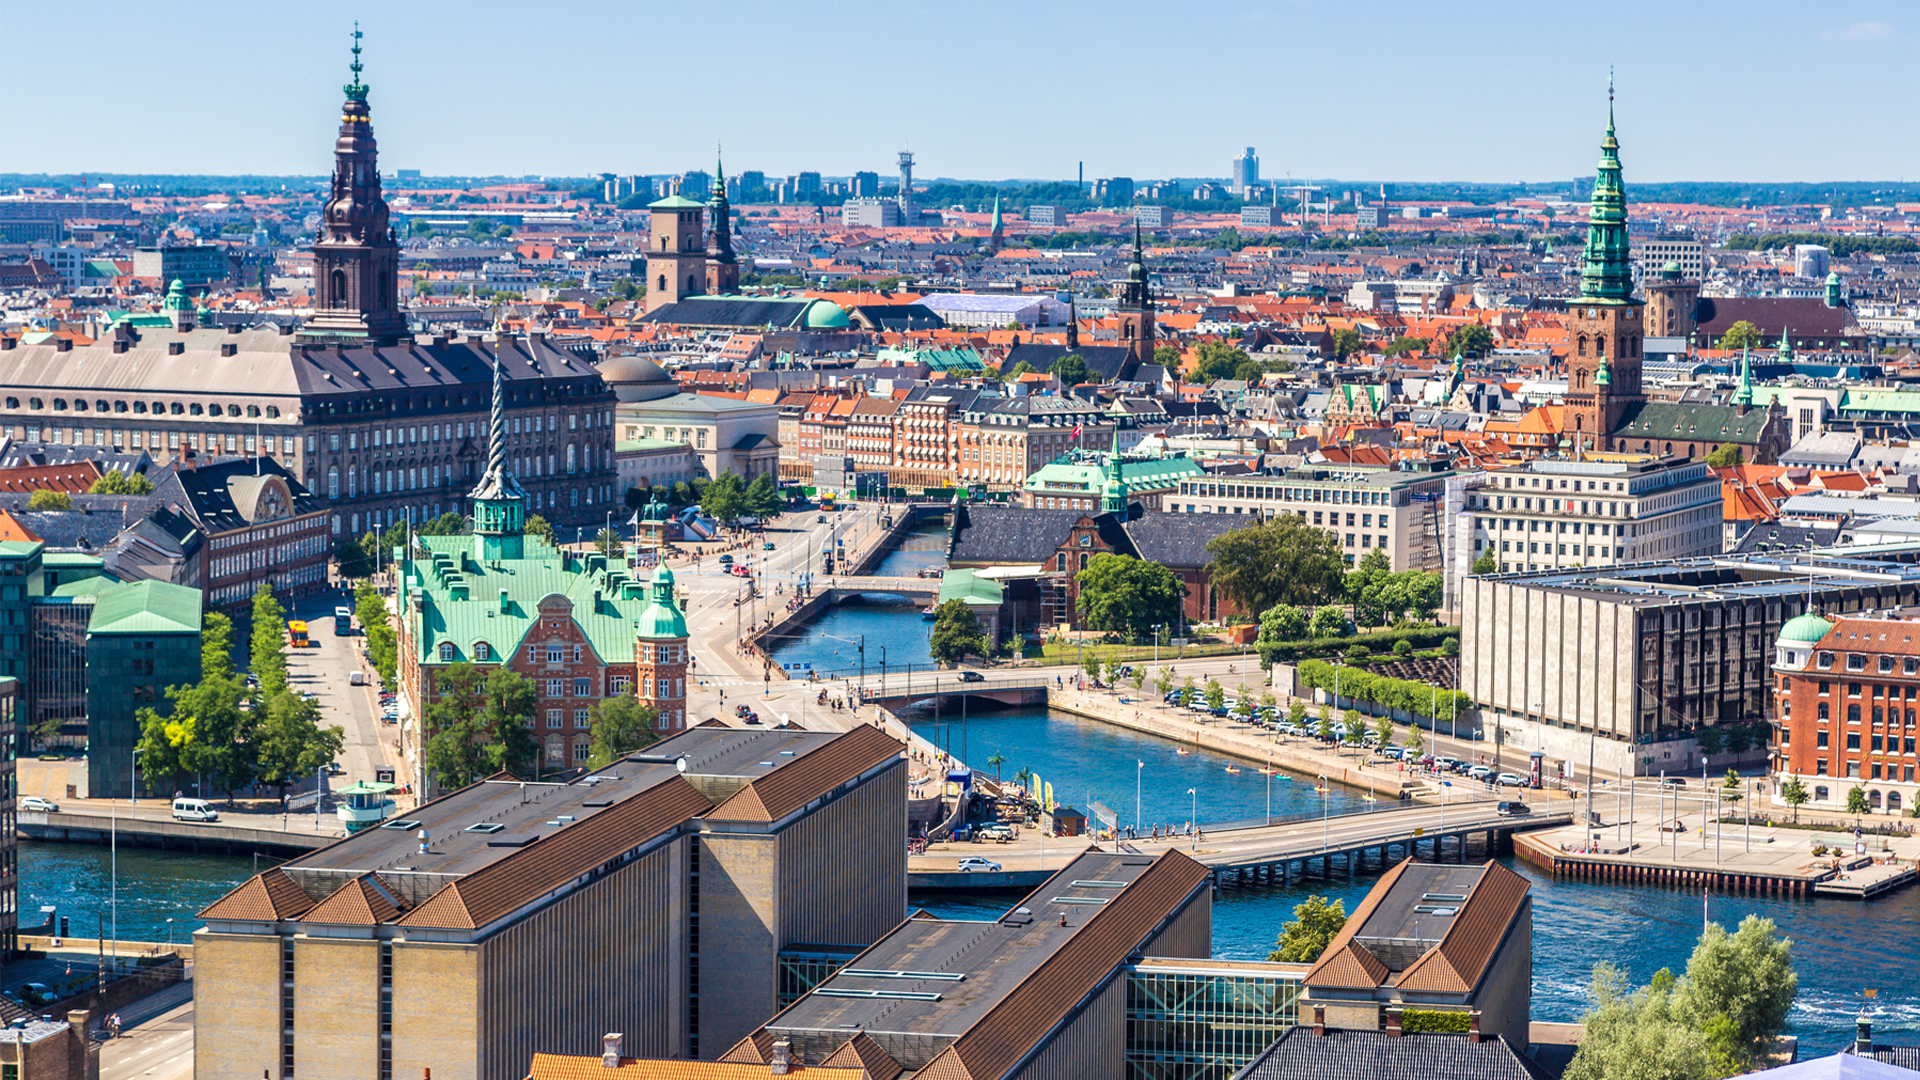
[1403, 647]
[1404, 695]
[1357, 655]
[1414, 1021]
[1378, 641]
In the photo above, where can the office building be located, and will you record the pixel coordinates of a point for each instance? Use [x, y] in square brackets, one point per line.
[1050, 216]
[870, 213]
[1245, 174]
[1152, 217]
[194, 265]
[1644, 656]
[1671, 247]
[1363, 508]
[1845, 693]
[864, 185]
[661, 897]
[1256, 215]
[1607, 510]
[1811, 261]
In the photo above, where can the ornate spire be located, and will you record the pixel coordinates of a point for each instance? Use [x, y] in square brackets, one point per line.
[499, 503]
[1113, 496]
[1073, 323]
[1605, 274]
[1604, 376]
[1744, 395]
[1784, 353]
[356, 257]
[356, 90]
[497, 423]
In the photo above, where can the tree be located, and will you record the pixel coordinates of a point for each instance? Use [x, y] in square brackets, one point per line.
[1070, 369]
[292, 744]
[1485, 564]
[1218, 361]
[216, 646]
[1383, 728]
[481, 725]
[725, 500]
[1216, 696]
[1316, 921]
[621, 726]
[1356, 732]
[1726, 455]
[956, 633]
[49, 499]
[1856, 800]
[1166, 356]
[1415, 742]
[1403, 345]
[996, 760]
[1742, 335]
[1732, 789]
[763, 497]
[1280, 561]
[540, 527]
[1794, 794]
[268, 643]
[207, 733]
[1296, 712]
[447, 524]
[1282, 622]
[1091, 666]
[1346, 342]
[382, 643]
[1163, 682]
[607, 542]
[115, 482]
[1325, 730]
[1330, 621]
[1473, 339]
[1122, 594]
[1138, 678]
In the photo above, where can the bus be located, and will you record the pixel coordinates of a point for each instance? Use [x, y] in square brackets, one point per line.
[342, 622]
[826, 501]
[297, 634]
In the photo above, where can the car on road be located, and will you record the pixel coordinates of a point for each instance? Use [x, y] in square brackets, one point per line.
[194, 810]
[36, 803]
[38, 993]
[768, 546]
[1509, 779]
[972, 676]
[820, 519]
[1509, 809]
[334, 768]
[1673, 781]
[356, 678]
[750, 718]
[1480, 772]
[975, 864]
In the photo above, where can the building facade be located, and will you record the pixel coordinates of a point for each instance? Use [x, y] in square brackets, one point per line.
[1553, 513]
[1002, 441]
[1846, 690]
[1364, 509]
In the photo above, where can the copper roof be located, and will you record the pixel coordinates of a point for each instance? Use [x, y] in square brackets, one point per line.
[266, 897]
[1014, 1028]
[774, 796]
[496, 890]
[364, 901]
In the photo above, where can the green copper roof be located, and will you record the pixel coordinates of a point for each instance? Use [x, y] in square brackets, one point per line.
[1877, 401]
[1605, 275]
[826, 315]
[1604, 376]
[146, 607]
[969, 588]
[1744, 394]
[676, 202]
[662, 619]
[1807, 629]
[1065, 476]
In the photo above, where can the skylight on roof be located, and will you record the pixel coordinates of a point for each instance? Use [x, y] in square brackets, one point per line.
[485, 827]
[401, 825]
[864, 973]
[1078, 900]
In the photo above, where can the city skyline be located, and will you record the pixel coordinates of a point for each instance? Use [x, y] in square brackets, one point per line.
[447, 106]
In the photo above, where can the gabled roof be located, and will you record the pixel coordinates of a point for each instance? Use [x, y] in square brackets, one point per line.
[1180, 540]
[1715, 423]
[997, 534]
[364, 901]
[1335, 964]
[265, 897]
[1342, 1054]
[1456, 965]
[778, 794]
[863, 1052]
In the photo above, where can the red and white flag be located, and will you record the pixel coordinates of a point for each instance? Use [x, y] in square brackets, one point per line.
[1077, 428]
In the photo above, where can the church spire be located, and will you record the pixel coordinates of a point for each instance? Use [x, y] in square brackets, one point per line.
[1073, 323]
[499, 503]
[1605, 274]
[1743, 396]
[1113, 496]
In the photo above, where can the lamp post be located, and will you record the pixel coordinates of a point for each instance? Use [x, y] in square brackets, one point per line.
[1326, 790]
[1139, 767]
[883, 671]
[1193, 818]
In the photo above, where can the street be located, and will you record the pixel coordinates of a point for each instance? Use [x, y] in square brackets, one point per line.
[156, 1048]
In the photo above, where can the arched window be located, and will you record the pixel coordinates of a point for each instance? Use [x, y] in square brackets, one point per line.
[446, 651]
[339, 288]
[1580, 380]
[1583, 344]
[353, 483]
[661, 285]
[1600, 346]
[333, 481]
[693, 283]
[379, 297]
[1873, 799]
[482, 651]
[1893, 802]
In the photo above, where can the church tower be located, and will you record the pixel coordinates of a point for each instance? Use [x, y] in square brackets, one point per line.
[723, 269]
[998, 237]
[356, 261]
[499, 504]
[1603, 377]
[676, 251]
[1136, 309]
[660, 655]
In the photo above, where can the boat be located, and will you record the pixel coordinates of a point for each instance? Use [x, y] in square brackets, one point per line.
[1269, 772]
[1181, 750]
[930, 612]
[1231, 769]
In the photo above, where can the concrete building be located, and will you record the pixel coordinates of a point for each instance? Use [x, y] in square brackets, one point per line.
[1256, 215]
[42, 1048]
[870, 213]
[1608, 510]
[647, 463]
[194, 265]
[1152, 217]
[1246, 173]
[1363, 508]
[662, 897]
[1642, 657]
[1049, 216]
[724, 434]
[1649, 256]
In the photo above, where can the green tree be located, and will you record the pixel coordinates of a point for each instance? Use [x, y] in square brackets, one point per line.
[1383, 729]
[1725, 456]
[1330, 621]
[1283, 560]
[763, 497]
[1071, 370]
[115, 482]
[1415, 741]
[1218, 361]
[1013, 373]
[167, 745]
[447, 524]
[1163, 682]
[207, 733]
[1122, 594]
[540, 527]
[1794, 794]
[1282, 622]
[1325, 730]
[1856, 800]
[1346, 342]
[1138, 678]
[956, 634]
[1742, 335]
[607, 542]
[1732, 789]
[291, 743]
[481, 725]
[1404, 345]
[268, 643]
[1216, 696]
[1166, 356]
[621, 726]
[1485, 564]
[725, 500]
[216, 646]
[1472, 340]
[382, 644]
[1356, 732]
[1296, 712]
[1316, 922]
[49, 499]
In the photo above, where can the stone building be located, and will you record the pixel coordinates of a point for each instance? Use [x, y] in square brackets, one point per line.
[724, 434]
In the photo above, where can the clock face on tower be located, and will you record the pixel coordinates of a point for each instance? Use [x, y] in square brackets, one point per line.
[1593, 313]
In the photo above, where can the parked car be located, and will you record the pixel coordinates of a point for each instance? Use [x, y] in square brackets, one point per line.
[1510, 809]
[976, 864]
[1173, 697]
[194, 810]
[972, 676]
[38, 993]
[35, 802]
[356, 678]
[1509, 779]
[1480, 772]
[996, 830]
[334, 768]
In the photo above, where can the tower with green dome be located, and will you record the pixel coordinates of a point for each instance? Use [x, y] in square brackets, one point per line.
[1604, 321]
[660, 654]
[1113, 495]
[178, 309]
[499, 503]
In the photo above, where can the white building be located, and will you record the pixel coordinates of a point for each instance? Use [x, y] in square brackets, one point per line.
[1551, 514]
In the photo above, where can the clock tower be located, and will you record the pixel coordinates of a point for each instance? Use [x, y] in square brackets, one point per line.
[1604, 322]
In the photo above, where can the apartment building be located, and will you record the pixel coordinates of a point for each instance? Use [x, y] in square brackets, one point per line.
[870, 425]
[1004, 440]
[1365, 509]
[926, 444]
[1846, 690]
[1548, 514]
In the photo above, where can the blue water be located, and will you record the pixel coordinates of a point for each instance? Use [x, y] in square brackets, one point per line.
[895, 634]
[154, 886]
[925, 546]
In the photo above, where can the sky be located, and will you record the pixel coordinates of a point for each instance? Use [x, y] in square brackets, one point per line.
[1408, 90]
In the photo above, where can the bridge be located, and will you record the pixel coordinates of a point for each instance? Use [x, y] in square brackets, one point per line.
[912, 588]
[1258, 853]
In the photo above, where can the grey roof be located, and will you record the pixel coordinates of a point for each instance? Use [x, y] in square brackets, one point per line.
[1343, 1054]
[219, 496]
[743, 312]
[1000, 534]
[1771, 538]
[1839, 506]
[1828, 449]
[1109, 363]
[1180, 541]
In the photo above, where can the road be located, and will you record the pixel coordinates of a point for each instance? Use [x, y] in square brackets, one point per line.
[325, 668]
[160, 1048]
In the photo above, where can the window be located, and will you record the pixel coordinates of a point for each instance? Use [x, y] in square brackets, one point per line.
[446, 650]
[619, 687]
[1886, 664]
[582, 750]
[556, 653]
[554, 719]
[1853, 714]
[1823, 711]
[576, 653]
[1819, 740]
[556, 688]
[583, 688]
[1856, 662]
[482, 651]
[583, 718]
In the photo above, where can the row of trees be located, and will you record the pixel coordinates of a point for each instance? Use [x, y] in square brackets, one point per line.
[482, 724]
[1403, 695]
[228, 733]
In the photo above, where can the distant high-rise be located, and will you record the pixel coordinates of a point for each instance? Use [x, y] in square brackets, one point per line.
[1246, 173]
[908, 213]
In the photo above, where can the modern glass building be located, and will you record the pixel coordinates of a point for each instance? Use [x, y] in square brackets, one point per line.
[1206, 1019]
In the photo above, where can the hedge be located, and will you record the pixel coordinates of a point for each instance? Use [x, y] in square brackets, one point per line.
[1404, 695]
[1414, 1021]
[1380, 641]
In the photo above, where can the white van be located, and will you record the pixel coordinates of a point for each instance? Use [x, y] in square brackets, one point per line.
[356, 678]
[194, 810]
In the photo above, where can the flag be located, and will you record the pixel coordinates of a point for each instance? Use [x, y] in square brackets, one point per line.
[1077, 428]
[635, 519]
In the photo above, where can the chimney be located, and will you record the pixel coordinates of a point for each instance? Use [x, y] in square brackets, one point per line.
[7, 342]
[610, 1049]
[1863, 1036]
[1393, 1019]
[175, 348]
[228, 348]
[119, 345]
[63, 344]
[285, 329]
[233, 328]
[782, 1058]
[1473, 1027]
[504, 606]
[1319, 1019]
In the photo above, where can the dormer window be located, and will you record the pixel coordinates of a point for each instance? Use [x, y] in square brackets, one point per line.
[446, 651]
[482, 651]
[1886, 664]
[1826, 660]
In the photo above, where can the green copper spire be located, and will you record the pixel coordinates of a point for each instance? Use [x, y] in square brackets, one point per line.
[1784, 354]
[996, 212]
[499, 503]
[356, 90]
[1744, 395]
[1113, 497]
[1605, 276]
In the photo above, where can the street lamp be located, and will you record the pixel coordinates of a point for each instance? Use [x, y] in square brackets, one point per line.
[1139, 767]
[1326, 789]
[1193, 819]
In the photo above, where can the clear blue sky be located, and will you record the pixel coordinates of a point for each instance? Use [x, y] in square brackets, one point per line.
[985, 89]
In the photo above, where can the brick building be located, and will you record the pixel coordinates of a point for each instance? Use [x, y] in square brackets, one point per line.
[1848, 695]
